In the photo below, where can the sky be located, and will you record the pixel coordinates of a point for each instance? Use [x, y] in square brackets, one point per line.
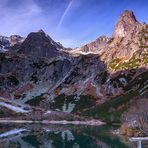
[70, 22]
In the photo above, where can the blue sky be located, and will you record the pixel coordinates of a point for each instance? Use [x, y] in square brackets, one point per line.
[71, 22]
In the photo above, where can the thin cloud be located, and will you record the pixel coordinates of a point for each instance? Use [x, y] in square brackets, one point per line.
[19, 17]
[65, 13]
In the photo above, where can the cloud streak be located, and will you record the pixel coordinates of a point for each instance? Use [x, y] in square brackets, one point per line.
[65, 13]
[19, 18]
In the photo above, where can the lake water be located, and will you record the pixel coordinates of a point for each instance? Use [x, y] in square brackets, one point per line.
[60, 136]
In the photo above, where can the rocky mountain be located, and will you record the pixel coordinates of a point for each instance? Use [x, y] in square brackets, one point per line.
[94, 47]
[126, 25]
[8, 42]
[38, 44]
[129, 37]
[101, 79]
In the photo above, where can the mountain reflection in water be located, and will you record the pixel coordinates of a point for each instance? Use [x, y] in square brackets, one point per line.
[59, 136]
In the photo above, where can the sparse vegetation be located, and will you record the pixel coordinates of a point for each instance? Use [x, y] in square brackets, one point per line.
[17, 96]
[34, 77]
[79, 103]
[110, 41]
[134, 61]
[142, 46]
[35, 101]
[112, 110]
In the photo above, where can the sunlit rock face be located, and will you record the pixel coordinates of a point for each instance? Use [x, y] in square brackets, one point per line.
[129, 37]
[126, 24]
[94, 47]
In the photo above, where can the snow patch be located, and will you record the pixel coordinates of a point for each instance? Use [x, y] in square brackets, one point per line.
[68, 107]
[3, 49]
[123, 81]
[13, 108]
[98, 91]
[48, 112]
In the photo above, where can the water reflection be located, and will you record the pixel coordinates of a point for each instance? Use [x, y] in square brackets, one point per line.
[59, 136]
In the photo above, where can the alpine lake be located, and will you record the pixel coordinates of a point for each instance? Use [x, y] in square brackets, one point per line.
[62, 136]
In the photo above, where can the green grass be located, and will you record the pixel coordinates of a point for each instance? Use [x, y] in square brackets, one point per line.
[134, 62]
[143, 46]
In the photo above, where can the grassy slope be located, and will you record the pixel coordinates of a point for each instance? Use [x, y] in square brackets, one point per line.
[112, 110]
[134, 62]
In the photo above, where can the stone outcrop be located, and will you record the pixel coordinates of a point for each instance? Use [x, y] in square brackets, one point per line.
[126, 25]
[129, 37]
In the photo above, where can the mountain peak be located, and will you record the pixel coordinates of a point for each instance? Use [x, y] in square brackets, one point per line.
[128, 15]
[126, 23]
[39, 44]
[41, 31]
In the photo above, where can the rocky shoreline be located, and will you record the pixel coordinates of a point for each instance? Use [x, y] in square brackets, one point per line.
[64, 122]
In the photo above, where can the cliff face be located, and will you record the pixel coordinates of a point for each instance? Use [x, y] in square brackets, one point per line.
[129, 37]
[40, 72]
[38, 45]
[126, 25]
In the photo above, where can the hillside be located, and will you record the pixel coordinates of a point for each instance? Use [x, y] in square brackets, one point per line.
[101, 80]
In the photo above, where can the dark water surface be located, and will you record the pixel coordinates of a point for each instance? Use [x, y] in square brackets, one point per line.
[60, 136]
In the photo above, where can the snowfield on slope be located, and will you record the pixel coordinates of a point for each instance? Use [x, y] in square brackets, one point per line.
[13, 108]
